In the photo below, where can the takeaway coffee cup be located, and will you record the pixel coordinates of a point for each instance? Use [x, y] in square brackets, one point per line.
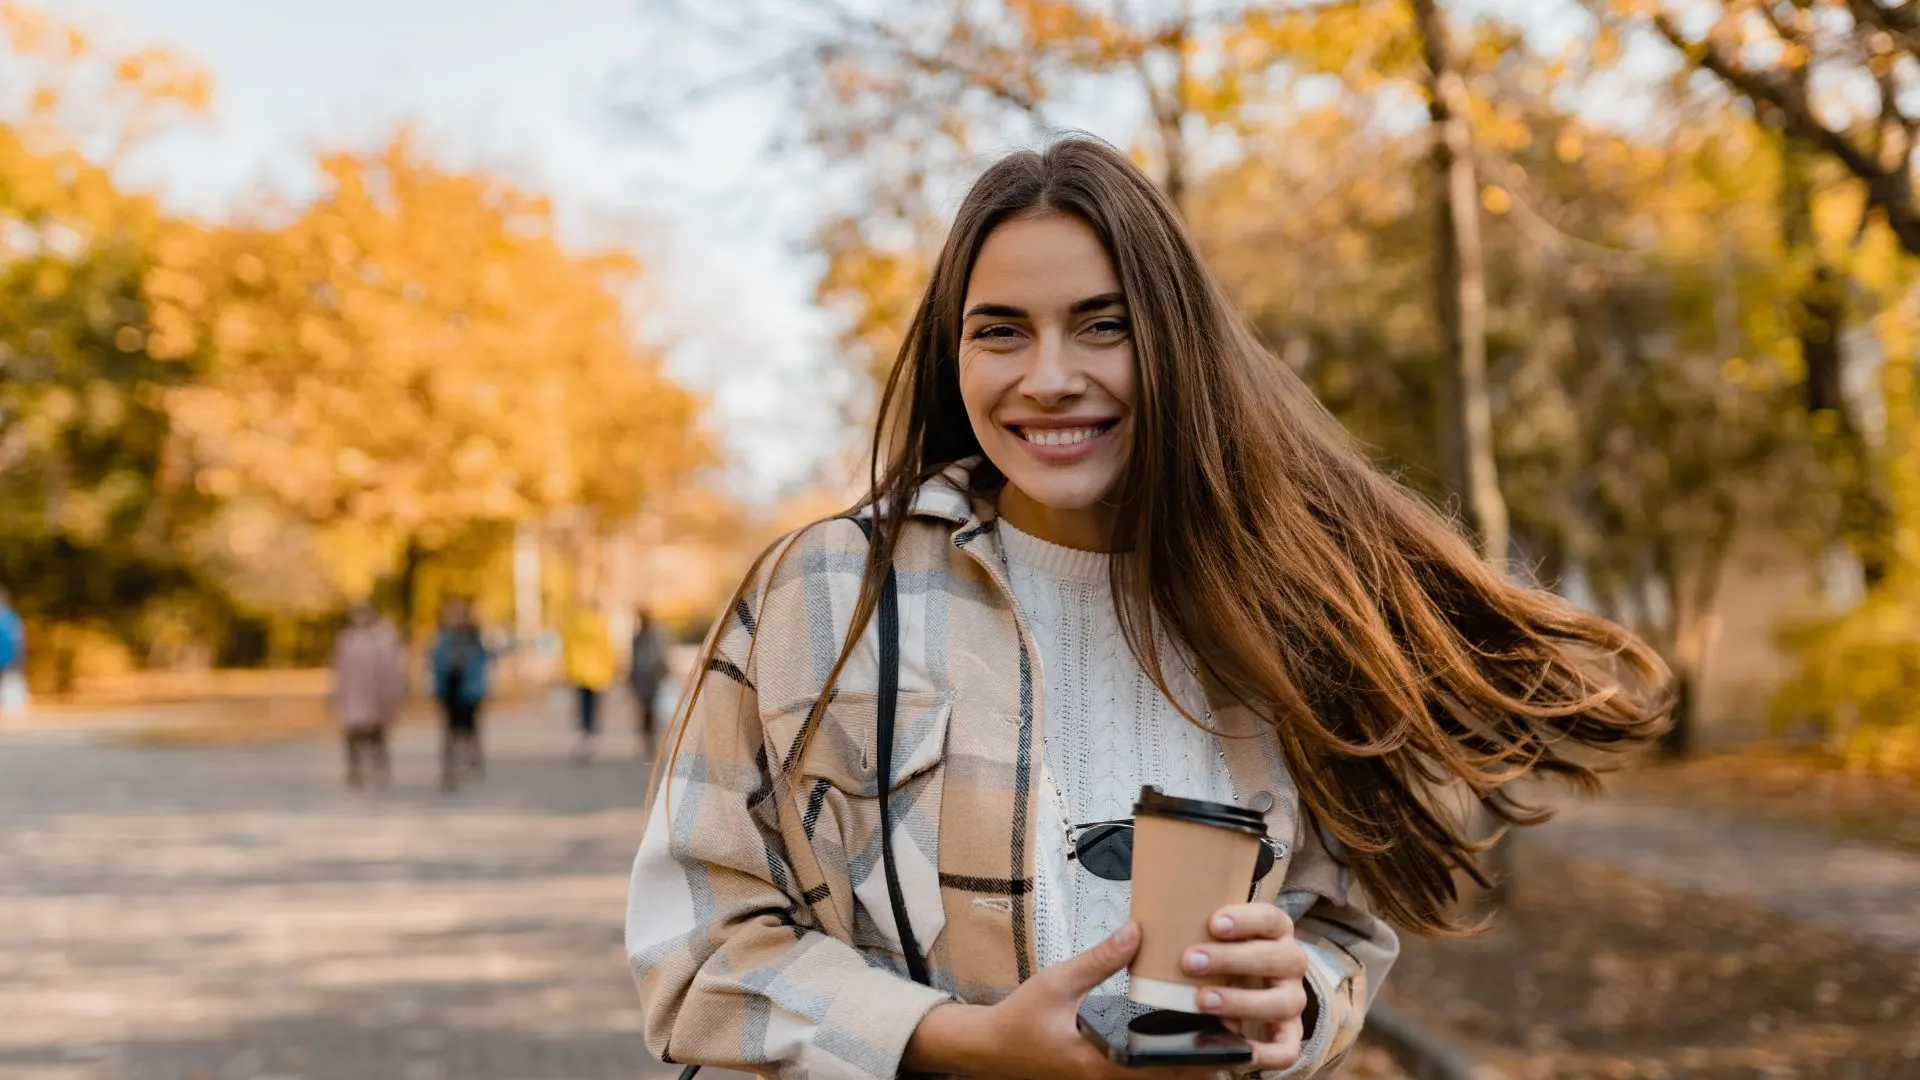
[1190, 859]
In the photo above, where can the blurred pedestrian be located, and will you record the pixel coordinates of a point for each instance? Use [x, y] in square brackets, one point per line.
[646, 669]
[369, 686]
[458, 664]
[13, 659]
[586, 651]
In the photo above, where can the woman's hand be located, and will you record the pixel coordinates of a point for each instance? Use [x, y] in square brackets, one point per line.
[1254, 944]
[1032, 1033]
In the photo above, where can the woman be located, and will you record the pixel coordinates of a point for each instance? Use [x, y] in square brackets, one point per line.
[1129, 548]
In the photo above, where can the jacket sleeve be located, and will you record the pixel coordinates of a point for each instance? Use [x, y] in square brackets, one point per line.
[731, 970]
[1348, 953]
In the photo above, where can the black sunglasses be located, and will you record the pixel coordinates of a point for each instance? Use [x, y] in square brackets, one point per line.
[1105, 848]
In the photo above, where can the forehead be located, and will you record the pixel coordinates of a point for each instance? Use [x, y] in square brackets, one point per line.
[1038, 263]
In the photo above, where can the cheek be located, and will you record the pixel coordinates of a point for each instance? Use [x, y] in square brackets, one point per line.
[980, 390]
[1120, 376]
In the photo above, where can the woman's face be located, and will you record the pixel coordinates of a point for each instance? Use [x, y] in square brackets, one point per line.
[1046, 371]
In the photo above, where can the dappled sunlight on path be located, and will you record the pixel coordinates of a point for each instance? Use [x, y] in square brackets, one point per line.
[235, 912]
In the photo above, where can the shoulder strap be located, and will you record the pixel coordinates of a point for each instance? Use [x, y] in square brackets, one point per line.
[883, 738]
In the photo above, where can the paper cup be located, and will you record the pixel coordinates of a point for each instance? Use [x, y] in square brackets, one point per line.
[1190, 859]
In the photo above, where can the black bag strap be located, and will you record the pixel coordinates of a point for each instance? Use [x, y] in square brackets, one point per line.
[883, 738]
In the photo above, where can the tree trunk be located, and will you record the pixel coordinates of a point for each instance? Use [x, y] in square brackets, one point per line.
[1466, 415]
[1820, 317]
[1169, 109]
[409, 588]
[1680, 739]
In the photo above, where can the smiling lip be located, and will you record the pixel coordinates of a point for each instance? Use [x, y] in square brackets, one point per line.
[1063, 440]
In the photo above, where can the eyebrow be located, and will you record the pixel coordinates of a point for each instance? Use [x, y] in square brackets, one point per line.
[1080, 307]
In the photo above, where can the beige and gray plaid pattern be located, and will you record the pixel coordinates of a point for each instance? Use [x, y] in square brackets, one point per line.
[758, 925]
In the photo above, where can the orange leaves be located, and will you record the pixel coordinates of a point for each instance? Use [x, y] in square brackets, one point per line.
[157, 75]
[75, 90]
[415, 355]
[1363, 41]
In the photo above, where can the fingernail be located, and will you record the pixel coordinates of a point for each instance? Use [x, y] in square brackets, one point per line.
[1198, 961]
[1127, 935]
[1222, 924]
[1211, 1000]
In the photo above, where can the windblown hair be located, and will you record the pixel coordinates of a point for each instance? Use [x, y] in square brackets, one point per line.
[1391, 662]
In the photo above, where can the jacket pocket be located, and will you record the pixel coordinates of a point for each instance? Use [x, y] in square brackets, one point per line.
[840, 788]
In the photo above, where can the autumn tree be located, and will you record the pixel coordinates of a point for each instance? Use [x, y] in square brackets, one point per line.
[1836, 79]
[413, 364]
[1642, 370]
[62, 86]
[903, 105]
[94, 502]
[1466, 422]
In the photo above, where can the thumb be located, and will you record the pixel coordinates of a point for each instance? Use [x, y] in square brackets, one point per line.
[1081, 974]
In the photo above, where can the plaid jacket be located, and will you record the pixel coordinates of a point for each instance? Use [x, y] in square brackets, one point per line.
[758, 924]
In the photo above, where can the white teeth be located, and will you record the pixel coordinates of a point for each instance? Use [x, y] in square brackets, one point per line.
[1059, 436]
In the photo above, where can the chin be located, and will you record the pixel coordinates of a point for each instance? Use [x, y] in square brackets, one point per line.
[1067, 493]
[1068, 497]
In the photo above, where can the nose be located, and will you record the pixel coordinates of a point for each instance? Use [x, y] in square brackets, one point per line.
[1052, 377]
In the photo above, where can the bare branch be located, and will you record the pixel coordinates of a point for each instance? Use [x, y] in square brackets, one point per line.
[1763, 87]
[1904, 19]
[1901, 24]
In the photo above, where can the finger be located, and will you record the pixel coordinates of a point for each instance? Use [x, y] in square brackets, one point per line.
[1277, 1004]
[1280, 1052]
[1080, 974]
[1265, 959]
[1243, 922]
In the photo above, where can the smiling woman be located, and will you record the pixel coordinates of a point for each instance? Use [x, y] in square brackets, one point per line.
[1111, 543]
[1046, 370]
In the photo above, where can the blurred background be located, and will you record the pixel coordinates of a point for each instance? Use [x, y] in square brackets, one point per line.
[571, 311]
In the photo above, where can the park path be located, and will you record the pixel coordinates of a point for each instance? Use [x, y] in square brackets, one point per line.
[232, 913]
[216, 913]
[1870, 892]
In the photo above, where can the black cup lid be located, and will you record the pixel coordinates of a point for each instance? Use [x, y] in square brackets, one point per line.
[1220, 815]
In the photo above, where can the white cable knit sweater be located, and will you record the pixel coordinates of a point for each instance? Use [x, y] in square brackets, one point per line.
[1108, 731]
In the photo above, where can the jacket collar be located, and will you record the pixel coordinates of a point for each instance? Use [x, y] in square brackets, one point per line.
[947, 497]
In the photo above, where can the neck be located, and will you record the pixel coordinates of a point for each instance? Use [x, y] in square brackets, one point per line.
[1085, 529]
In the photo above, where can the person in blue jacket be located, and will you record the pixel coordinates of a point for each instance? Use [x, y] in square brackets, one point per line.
[458, 672]
[13, 658]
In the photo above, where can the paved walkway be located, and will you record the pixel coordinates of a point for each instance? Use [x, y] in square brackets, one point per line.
[1856, 888]
[235, 914]
[227, 913]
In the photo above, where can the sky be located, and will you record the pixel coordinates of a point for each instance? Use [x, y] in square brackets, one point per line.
[531, 91]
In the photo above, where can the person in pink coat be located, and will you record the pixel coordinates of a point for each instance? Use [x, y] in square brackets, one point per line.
[369, 686]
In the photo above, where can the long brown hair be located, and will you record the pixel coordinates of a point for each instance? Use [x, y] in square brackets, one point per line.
[1358, 622]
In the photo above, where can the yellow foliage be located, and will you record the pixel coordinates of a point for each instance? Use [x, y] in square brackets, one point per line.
[73, 89]
[415, 356]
